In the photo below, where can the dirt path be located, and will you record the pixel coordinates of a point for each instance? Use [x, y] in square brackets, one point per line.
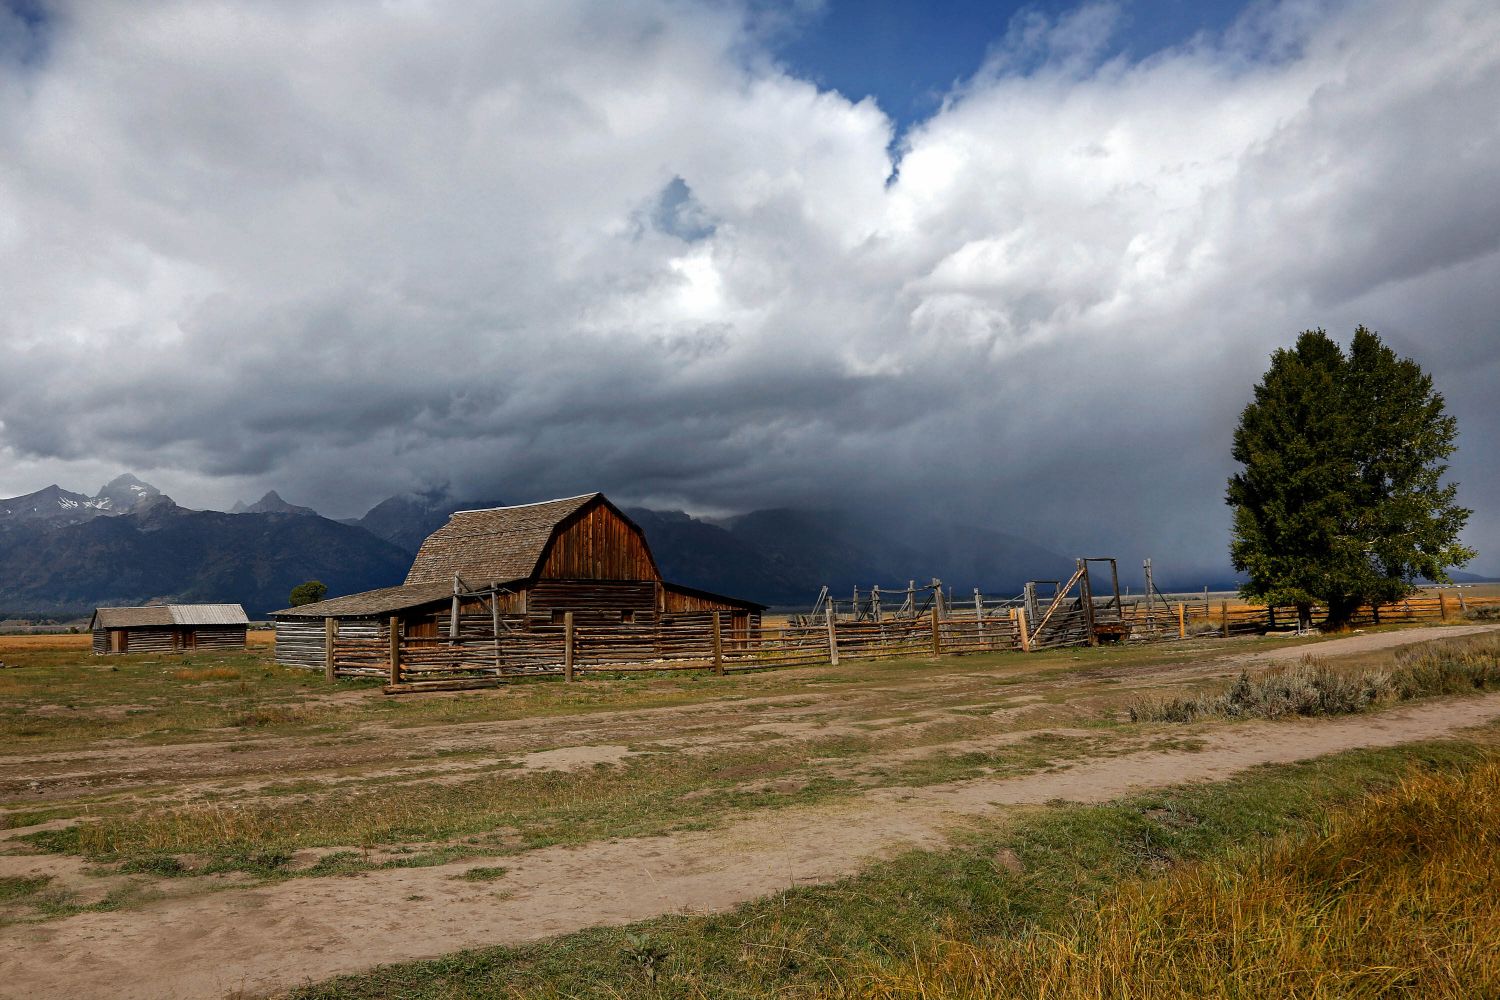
[259, 941]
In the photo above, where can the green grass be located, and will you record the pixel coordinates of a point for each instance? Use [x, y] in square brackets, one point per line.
[1004, 881]
[14, 887]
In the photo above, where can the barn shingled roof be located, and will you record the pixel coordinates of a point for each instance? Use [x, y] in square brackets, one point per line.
[497, 545]
[169, 614]
[384, 601]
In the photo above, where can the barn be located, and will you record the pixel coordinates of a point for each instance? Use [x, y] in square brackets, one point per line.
[168, 628]
[530, 565]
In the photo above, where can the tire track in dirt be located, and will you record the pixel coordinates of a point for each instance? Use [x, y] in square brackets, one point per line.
[268, 939]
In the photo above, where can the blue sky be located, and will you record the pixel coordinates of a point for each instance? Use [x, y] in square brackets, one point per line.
[908, 54]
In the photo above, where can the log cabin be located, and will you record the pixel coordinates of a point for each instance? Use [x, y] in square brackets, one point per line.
[524, 567]
[168, 628]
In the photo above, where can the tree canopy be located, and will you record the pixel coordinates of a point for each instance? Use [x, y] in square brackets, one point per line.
[310, 592]
[1340, 499]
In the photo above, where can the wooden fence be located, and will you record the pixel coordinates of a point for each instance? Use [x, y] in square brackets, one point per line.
[477, 659]
[417, 663]
[1236, 618]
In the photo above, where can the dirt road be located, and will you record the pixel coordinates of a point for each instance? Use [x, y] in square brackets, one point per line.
[257, 941]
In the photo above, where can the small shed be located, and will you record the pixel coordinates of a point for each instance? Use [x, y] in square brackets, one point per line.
[168, 628]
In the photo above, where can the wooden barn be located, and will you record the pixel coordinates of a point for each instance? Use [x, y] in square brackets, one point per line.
[168, 628]
[517, 568]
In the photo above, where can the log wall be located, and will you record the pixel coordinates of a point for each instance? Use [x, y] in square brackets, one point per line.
[300, 641]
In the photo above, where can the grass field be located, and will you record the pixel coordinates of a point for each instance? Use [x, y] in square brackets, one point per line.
[142, 790]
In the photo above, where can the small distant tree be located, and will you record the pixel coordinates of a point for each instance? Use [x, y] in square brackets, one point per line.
[310, 592]
[1340, 499]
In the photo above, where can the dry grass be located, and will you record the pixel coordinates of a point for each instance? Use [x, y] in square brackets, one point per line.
[1398, 896]
[1313, 687]
[51, 640]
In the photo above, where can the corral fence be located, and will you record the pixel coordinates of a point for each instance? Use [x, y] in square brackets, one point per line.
[474, 659]
[480, 656]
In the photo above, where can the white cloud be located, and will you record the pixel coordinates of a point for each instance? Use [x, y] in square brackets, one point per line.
[344, 250]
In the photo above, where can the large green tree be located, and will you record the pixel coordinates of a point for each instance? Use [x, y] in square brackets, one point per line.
[1341, 499]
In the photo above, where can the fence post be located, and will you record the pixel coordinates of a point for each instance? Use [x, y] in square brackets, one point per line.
[833, 637]
[1181, 620]
[1021, 630]
[568, 646]
[937, 635]
[1442, 607]
[395, 637]
[495, 621]
[330, 633]
[1224, 617]
[979, 612]
[1463, 609]
[718, 645]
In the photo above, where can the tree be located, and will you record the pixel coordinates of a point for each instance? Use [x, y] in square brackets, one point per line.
[310, 592]
[1340, 499]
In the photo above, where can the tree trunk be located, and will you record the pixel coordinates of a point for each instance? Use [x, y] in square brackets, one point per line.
[1340, 610]
[1304, 617]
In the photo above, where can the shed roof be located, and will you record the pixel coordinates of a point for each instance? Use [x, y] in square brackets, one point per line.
[169, 614]
[497, 545]
[371, 602]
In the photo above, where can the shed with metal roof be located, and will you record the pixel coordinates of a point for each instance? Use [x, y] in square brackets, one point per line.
[168, 628]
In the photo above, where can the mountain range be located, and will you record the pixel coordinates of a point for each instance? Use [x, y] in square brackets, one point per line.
[64, 553]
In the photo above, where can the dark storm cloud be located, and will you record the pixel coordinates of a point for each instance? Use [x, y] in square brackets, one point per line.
[568, 247]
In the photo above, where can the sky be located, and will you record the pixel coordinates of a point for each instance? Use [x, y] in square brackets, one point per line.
[1016, 266]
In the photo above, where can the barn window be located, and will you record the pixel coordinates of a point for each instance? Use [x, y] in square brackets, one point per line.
[626, 617]
[557, 617]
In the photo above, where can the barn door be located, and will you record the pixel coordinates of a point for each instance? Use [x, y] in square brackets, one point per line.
[118, 640]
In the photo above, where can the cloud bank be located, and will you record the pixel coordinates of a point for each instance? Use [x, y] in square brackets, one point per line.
[346, 251]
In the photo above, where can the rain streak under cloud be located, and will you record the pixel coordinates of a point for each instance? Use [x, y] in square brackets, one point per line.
[526, 250]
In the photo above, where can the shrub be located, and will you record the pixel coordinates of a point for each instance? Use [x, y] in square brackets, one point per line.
[1312, 687]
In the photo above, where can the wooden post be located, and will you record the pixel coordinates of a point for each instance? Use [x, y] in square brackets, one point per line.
[1086, 594]
[1021, 630]
[453, 612]
[911, 597]
[330, 636]
[1181, 620]
[1224, 617]
[1463, 609]
[568, 646]
[718, 645]
[1150, 608]
[875, 602]
[1442, 607]
[833, 638]
[979, 611]
[395, 637]
[495, 620]
[937, 635]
